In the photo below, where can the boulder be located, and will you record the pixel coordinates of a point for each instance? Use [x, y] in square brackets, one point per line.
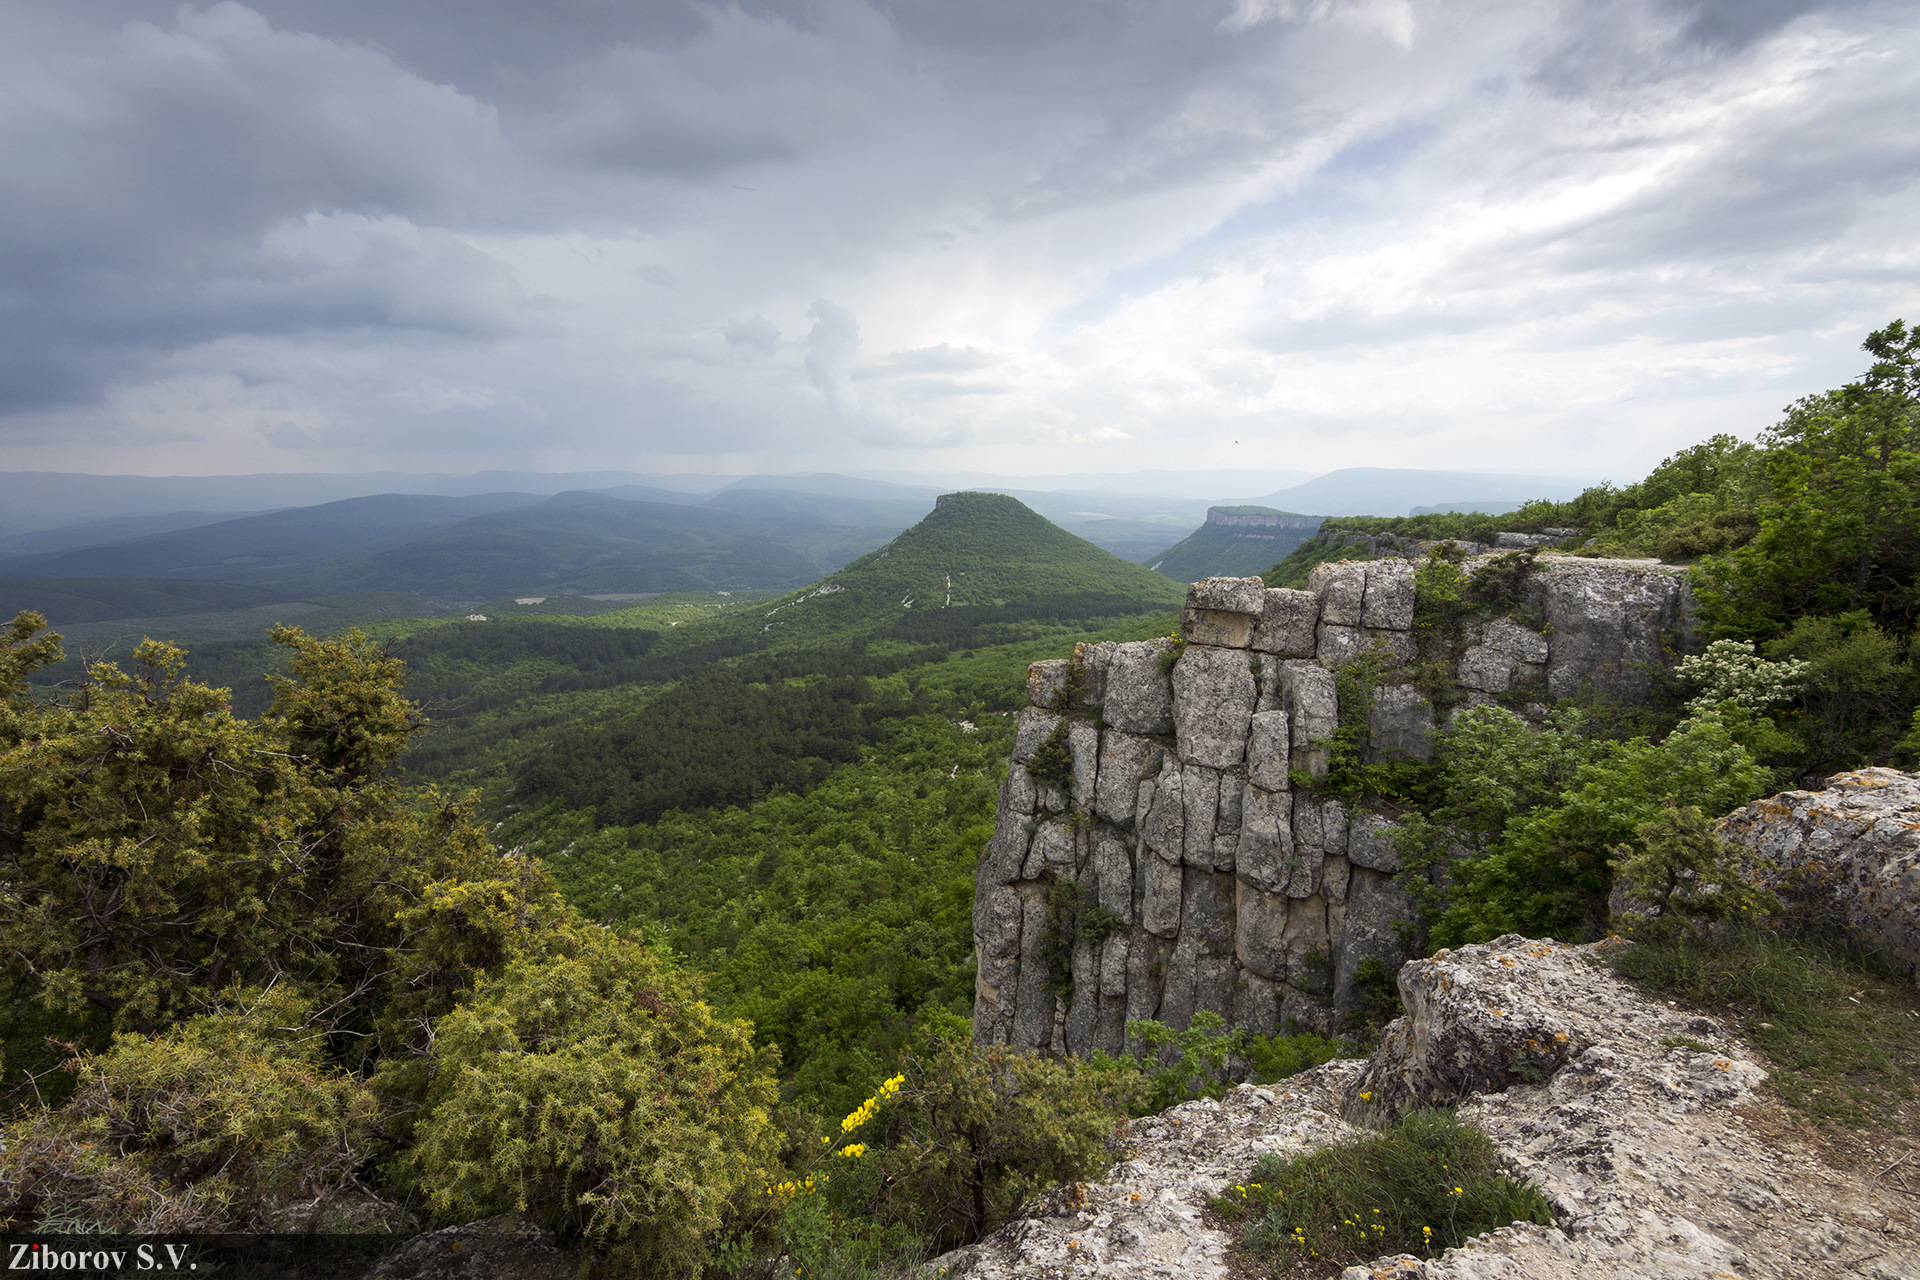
[1163, 827]
[1213, 695]
[1375, 910]
[1033, 727]
[1847, 857]
[1610, 622]
[511, 1246]
[1222, 611]
[1341, 588]
[1137, 696]
[1200, 796]
[1266, 839]
[1084, 741]
[1047, 684]
[1287, 623]
[1161, 889]
[1388, 601]
[1260, 931]
[1338, 645]
[1370, 843]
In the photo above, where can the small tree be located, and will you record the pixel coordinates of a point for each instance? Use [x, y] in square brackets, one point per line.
[1682, 868]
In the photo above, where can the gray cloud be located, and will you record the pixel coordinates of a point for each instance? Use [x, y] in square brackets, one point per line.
[554, 232]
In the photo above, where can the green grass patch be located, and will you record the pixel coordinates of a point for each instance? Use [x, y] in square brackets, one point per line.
[1841, 1031]
[1425, 1183]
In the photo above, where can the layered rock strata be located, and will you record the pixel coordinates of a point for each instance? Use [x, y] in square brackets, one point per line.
[1172, 784]
[1632, 1117]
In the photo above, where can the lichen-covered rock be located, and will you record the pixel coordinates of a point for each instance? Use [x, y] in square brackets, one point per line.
[1307, 693]
[1849, 855]
[1137, 693]
[1287, 622]
[511, 1246]
[1222, 611]
[1341, 587]
[1638, 1141]
[1214, 697]
[1147, 1217]
[1502, 649]
[1400, 725]
[1269, 750]
[1126, 760]
[1162, 883]
[1047, 684]
[1610, 622]
[1389, 595]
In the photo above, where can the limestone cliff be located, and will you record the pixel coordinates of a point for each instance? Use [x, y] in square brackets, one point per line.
[1160, 846]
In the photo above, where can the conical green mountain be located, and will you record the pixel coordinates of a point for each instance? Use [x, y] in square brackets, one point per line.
[983, 554]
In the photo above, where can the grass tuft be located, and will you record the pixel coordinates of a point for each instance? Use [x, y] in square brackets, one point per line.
[1840, 1029]
[1427, 1182]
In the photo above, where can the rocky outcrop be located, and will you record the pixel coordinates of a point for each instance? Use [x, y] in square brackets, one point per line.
[509, 1247]
[1846, 858]
[1632, 1116]
[1192, 813]
[1240, 518]
[1376, 545]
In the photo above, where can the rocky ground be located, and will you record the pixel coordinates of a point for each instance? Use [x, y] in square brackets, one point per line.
[1639, 1120]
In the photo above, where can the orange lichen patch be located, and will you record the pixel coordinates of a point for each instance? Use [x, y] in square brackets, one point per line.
[1505, 961]
[1559, 1037]
[1721, 1064]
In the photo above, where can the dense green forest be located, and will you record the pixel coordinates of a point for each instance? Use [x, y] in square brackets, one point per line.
[690, 879]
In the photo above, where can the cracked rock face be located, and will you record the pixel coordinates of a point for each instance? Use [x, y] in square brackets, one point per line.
[1849, 855]
[1642, 1147]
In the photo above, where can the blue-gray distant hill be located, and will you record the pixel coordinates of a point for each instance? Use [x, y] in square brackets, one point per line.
[1395, 491]
[463, 548]
[1237, 542]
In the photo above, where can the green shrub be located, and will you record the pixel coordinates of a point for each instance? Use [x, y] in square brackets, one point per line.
[1198, 1062]
[1681, 867]
[214, 1125]
[1052, 761]
[591, 1088]
[1426, 1183]
[971, 1134]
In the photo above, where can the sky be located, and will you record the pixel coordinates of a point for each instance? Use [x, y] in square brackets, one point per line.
[1015, 236]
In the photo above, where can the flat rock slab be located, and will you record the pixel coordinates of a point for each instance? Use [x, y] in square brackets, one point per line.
[1145, 1218]
[1646, 1150]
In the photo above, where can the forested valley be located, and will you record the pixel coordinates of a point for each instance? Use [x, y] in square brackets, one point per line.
[612, 917]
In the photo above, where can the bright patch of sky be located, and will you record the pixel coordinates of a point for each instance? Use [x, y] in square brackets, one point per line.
[1543, 236]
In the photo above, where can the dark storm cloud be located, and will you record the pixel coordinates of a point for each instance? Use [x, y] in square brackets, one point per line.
[582, 225]
[215, 177]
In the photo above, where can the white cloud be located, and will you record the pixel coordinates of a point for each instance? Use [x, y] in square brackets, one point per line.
[1550, 236]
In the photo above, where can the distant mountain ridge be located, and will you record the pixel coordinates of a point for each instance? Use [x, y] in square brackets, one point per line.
[1237, 542]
